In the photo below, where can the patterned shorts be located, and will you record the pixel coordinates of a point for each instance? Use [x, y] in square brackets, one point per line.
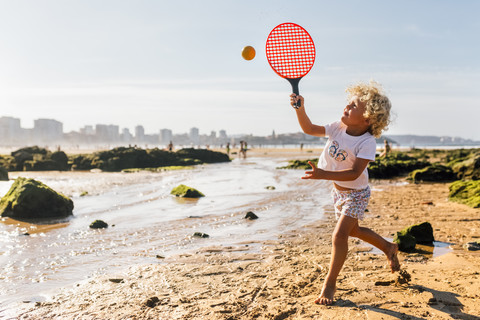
[352, 203]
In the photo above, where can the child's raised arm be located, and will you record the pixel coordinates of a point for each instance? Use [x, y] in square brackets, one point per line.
[307, 126]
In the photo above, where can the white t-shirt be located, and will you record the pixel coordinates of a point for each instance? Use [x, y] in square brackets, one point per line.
[341, 151]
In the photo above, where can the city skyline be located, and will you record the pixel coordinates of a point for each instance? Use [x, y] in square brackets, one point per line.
[178, 64]
[50, 132]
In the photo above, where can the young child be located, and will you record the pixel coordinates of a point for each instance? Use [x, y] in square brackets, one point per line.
[350, 147]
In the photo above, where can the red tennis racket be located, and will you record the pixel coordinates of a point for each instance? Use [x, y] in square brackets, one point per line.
[290, 52]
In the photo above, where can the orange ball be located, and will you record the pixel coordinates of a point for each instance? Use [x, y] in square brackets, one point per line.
[248, 53]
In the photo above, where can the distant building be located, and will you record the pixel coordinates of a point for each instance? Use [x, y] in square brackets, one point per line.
[139, 134]
[166, 135]
[126, 136]
[195, 136]
[47, 130]
[87, 130]
[10, 130]
[222, 134]
[107, 132]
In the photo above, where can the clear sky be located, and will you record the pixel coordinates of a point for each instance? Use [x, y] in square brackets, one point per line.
[177, 64]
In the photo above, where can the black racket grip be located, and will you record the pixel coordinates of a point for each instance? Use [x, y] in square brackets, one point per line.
[294, 83]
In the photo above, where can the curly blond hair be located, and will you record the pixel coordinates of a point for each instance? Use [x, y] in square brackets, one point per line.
[377, 109]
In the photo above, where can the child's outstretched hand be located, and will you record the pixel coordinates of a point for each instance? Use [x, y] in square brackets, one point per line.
[315, 173]
[296, 101]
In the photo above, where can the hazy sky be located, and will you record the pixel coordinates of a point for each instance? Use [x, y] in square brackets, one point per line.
[177, 64]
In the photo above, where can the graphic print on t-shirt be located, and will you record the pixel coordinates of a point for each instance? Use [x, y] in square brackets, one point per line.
[336, 153]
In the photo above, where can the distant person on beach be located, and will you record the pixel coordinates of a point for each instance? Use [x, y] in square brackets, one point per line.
[170, 146]
[386, 149]
[228, 148]
[242, 152]
[350, 147]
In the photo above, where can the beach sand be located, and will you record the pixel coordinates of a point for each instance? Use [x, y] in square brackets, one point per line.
[282, 280]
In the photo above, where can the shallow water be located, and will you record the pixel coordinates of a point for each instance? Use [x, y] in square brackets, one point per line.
[146, 221]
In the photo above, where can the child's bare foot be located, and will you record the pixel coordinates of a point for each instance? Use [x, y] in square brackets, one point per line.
[326, 297]
[392, 257]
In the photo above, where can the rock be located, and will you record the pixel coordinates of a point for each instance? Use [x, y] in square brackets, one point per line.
[406, 242]
[116, 280]
[152, 302]
[3, 174]
[186, 192]
[393, 165]
[472, 246]
[133, 159]
[98, 224]
[466, 192]
[200, 235]
[299, 164]
[419, 233]
[204, 155]
[31, 199]
[26, 154]
[40, 165]
[423, 233]
[433, 173]
[61, 160]
[468, 166]
[251, 216]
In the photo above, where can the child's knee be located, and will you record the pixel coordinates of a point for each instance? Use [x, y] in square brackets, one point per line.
[339, 236]
[355, 232]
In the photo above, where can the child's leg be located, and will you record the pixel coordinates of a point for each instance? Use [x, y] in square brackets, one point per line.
[339, 253]
[390, 249]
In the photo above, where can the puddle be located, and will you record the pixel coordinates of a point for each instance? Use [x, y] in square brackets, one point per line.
[438, 249]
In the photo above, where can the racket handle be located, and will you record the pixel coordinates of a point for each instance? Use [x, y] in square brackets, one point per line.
[294, 83]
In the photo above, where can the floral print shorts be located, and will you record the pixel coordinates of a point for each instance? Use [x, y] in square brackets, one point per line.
[352, 203]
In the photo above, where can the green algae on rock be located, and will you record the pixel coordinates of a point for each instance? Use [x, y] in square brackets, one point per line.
[3, 174]
[407, 238]
[434, 173]
[186, 192]
[466, 192]
[98, 224]
[31, 199]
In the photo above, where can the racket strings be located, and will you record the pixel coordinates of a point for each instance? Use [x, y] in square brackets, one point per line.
[290, 50]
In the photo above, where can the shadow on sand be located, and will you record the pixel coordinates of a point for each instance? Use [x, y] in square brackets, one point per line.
[443, 301]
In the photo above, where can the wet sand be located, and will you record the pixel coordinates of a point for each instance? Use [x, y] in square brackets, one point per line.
[282, 280]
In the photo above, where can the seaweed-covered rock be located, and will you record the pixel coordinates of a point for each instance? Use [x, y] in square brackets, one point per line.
[30, 199]
[3, 174]
[299, 164]
[98, 224]
[40, 165]
[60, 158]
[466, 192]
[406, 242]
[468, 167]
[26, 154]
[395, 164]
[433, 173]
[204, 155]
[122, 158]
[81, 161]
[186, 192]
[421, 233]
[37, 159]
